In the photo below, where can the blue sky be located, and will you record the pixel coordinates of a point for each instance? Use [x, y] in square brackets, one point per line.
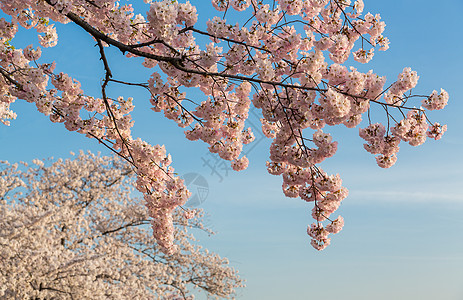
[403, 235]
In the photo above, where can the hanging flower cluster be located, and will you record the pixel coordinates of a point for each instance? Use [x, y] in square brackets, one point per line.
[288, 59]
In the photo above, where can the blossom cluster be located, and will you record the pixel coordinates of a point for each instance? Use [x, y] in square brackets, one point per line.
[288, 60]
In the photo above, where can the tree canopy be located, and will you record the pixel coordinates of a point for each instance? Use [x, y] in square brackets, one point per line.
[73, 229]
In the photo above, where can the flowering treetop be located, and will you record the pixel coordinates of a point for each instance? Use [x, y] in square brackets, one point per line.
[72, 229]
[287, 59]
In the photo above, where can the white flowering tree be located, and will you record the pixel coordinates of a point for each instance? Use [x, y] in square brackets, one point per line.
[72, 229]
[288, 57]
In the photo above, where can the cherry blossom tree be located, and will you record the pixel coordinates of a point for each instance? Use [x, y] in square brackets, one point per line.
[288, 58]
[72, 229]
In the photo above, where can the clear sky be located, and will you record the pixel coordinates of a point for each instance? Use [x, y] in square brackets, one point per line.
[403, 237]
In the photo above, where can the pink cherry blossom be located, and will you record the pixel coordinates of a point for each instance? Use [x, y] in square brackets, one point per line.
[288, 59]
